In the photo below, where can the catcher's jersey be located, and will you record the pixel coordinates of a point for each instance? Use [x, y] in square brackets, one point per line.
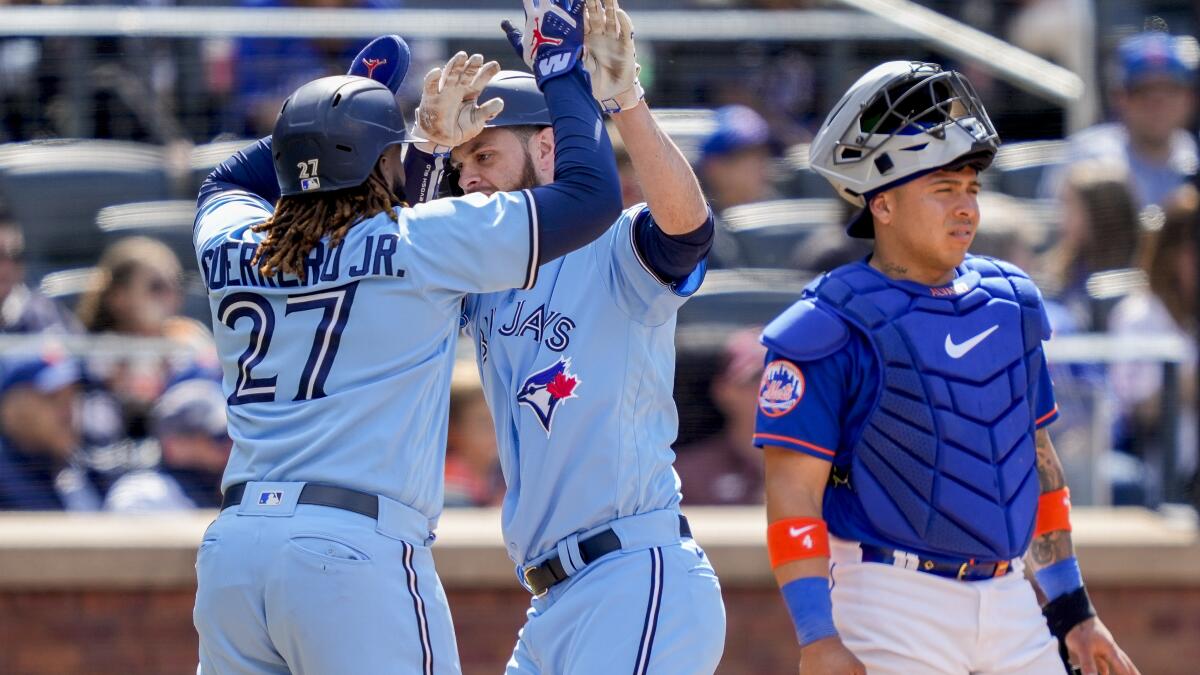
[578, 373]
[344, 378]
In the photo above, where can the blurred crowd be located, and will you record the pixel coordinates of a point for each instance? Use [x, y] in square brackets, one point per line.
[137, 429]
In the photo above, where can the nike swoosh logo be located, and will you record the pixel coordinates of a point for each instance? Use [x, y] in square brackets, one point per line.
[957, 351]
[797, 531]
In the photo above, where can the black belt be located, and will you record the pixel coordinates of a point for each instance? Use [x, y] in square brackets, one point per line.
[319, 495]
[963, 570]
[541, 577]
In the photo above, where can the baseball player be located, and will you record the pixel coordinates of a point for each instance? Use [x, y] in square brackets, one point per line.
[336, 315]
[903, 412]
[578, 372]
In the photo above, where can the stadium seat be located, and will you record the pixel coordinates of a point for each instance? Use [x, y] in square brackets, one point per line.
[56, 188]
[688, 127]
[168, 221]
[800, 180]
[742, 297]
[204, 159]
[1020, 167]
[768, 233]
[68, 286]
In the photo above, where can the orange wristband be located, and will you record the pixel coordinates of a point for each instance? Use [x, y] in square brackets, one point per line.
[795, 539]
[1054, 512]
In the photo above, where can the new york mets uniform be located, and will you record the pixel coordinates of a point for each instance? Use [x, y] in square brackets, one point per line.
[578, 372]
[926, 401]
[341, 379]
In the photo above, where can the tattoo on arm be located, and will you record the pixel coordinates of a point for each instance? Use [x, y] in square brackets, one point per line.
[1052, 546]
[1049, 468]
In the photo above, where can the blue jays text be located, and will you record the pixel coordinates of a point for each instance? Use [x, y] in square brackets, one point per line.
[230, 264]
[543, 324]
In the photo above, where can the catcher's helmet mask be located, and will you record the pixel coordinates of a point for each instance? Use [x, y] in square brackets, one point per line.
[887, 140]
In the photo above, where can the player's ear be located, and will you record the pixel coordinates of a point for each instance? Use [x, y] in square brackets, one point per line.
[882, 206]
[542, 148]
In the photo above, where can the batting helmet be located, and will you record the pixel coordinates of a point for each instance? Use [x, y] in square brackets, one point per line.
[331, 132]
[901, 120]
[524, 103]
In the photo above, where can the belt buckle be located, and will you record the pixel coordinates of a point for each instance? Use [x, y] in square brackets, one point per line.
[529, 583]
[1001, 568]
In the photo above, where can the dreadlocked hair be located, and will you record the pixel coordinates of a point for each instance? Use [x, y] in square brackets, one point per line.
[301, 221]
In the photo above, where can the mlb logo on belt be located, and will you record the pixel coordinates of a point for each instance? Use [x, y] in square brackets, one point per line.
[270, 498]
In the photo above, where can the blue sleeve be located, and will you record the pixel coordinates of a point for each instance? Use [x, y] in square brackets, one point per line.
[629, 278]
[585, 197]
[1045, 406]
[672, 257]
[249, 169]
[423, 174]
[801, 404]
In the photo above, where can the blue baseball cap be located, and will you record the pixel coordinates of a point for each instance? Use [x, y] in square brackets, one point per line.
[1155, 55]
[44, 373]
[738, 127]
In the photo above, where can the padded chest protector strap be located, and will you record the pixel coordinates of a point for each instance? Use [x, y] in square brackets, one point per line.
[806, 331]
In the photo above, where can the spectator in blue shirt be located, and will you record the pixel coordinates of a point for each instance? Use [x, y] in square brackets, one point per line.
[1153, 93]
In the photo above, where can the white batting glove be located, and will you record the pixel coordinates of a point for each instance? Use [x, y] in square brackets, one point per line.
[610, 56]
[449, 114]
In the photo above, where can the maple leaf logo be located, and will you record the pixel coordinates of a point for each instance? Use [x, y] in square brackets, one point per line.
[561, 386]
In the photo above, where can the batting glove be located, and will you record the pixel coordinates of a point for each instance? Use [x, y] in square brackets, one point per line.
[553, 37]
[384, 60]
[449, 113]
[610, 57]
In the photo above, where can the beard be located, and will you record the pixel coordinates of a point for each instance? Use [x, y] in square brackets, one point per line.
[529, 177]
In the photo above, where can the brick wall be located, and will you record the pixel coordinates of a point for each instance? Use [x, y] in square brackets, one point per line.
[150, 632]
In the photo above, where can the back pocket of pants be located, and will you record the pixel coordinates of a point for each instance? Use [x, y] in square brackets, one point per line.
[324, 546]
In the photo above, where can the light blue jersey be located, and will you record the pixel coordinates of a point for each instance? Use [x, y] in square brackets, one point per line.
[579, 372]
[343, 379]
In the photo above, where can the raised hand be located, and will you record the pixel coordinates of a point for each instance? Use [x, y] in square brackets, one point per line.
[552, 39]
[610, 56]
[449, 113]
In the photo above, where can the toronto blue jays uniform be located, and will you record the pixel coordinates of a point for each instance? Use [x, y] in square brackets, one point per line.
[578, 372]
[354, 397]
[925, 400]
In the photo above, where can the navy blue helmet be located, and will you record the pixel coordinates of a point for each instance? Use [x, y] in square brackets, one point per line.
[331, 132]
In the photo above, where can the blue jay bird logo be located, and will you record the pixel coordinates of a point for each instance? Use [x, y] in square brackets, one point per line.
[544, 390]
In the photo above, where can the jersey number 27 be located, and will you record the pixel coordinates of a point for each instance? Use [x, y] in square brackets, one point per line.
[334, 304]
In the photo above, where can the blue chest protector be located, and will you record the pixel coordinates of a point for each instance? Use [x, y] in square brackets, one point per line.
[945, 461]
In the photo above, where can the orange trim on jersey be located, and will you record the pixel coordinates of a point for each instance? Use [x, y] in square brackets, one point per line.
[793, 539]
[1054, 512]
[797, 441]
[1047, 416]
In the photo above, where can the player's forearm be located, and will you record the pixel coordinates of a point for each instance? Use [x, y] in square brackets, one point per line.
[1054, 546]
[585, 197]
[423, 172]
[670, 186]
[785, 502]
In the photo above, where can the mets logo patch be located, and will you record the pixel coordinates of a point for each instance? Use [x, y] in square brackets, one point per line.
[781, 388]
[545, 390]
